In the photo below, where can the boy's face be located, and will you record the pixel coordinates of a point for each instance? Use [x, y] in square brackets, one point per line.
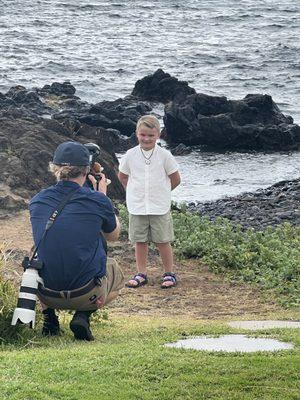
[147, 137]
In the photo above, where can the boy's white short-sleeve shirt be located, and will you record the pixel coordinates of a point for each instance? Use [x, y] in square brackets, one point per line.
[148, 189]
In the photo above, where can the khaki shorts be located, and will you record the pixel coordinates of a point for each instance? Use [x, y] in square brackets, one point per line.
[112, 282]
[151, 228]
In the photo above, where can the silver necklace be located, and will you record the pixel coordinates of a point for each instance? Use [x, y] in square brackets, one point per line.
[147, 159]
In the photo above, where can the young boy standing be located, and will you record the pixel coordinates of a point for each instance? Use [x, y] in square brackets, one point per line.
[149, 173]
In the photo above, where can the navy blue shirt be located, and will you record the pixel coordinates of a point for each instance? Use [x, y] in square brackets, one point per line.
[72, 250]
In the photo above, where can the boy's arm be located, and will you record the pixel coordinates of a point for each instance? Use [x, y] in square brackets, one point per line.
[123, 178]
[175, 179]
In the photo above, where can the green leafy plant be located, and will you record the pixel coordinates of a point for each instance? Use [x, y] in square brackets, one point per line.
[8, 299]
[124, 218]
[268, 258]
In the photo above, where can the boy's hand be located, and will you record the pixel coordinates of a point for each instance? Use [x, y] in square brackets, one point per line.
[175, 180]
[123, 178]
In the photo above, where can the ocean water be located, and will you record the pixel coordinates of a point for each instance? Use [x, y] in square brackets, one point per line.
[221, 48]
[210, 176]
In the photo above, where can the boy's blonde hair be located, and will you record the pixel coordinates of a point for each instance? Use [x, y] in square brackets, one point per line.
[150, 121]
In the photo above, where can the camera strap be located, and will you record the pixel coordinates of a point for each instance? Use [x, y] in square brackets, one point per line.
[51, 221]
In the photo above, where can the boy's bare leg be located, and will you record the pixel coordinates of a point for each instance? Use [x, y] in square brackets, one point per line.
[166, 253]
[141, 257]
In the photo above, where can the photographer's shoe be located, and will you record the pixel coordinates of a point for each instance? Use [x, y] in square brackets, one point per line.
[80, 325]
[51, 324]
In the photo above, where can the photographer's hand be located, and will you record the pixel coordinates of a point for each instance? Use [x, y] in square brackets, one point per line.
[100, 185]
[96, 168]
[100, 303]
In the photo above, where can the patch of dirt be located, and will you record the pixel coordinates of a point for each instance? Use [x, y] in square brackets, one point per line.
[199, 294]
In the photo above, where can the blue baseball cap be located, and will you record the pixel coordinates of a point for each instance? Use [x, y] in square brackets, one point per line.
[72, 154]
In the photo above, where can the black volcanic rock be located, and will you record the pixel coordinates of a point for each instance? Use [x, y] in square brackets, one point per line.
[161, 87]
[27, 146]
[27, 101]
[266, 207]
[254, 123]
[125, 125]
[33, 122]
[123, 114]
[59, 89]
[109, 139]
[95, 120]
[120, 114]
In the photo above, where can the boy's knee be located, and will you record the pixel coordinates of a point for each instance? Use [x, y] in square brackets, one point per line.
[167, 244]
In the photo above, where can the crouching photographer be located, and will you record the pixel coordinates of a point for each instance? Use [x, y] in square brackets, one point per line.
[76, 273]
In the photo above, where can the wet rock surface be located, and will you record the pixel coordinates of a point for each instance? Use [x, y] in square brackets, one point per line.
[253, 123]
[161, 87]
[34, 121]
[120, 114]
[27, 147]
[266, 207]
[58, 101]
[216, 123]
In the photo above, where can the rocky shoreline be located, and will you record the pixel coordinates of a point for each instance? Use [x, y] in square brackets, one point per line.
[266, 207]
[33, 122]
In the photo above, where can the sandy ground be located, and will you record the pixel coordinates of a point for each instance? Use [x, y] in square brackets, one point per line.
[200, 294]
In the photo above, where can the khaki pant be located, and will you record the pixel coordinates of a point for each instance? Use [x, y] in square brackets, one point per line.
[151, 228]
[111, 283]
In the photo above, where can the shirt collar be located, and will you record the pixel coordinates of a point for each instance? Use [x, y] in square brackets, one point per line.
[149, 151]
[70, 184]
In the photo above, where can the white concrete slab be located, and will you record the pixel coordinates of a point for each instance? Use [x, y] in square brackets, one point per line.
[257, 325]
[231, 344]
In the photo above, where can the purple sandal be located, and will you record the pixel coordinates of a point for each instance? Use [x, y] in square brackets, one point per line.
[138, 281]
[169, 277]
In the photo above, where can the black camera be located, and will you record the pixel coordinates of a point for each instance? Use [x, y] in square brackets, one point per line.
[31, 263]
[94, 151]
[95, 171]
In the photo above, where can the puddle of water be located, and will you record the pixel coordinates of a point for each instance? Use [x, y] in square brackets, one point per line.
[256, 325]
[231, 343]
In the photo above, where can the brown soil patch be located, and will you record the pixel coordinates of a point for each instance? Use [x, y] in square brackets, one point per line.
[199, 294]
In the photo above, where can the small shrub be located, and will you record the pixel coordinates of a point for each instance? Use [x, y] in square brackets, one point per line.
[7, 303]
[124, 218]
[269, 258]
[8, 299]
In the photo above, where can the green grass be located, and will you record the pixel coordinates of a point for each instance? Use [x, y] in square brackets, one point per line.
[128, 361]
